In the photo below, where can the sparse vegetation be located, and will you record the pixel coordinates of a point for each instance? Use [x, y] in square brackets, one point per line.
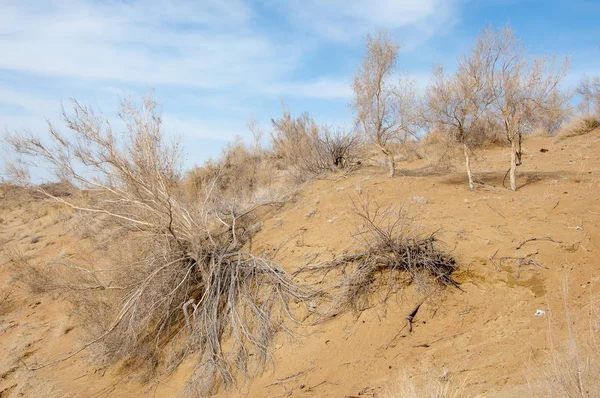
[180, 278]
[589, 90]
[309, 150]
[192, 276]
[579, 125]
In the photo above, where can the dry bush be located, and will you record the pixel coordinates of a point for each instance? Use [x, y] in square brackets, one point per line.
[308, 150]
[191, 285]
[243, 175]
[578, 125]
[556, 112]
[58, 189]
[571, 366]
[392, 246]
[439, 150]
[589, 90]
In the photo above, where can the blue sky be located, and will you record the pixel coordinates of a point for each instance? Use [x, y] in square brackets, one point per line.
[215, 64]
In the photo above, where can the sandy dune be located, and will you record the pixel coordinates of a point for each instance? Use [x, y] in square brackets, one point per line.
[484, 336]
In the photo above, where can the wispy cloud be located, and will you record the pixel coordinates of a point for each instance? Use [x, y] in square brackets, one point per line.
[149, 42]
[325, 88]
[214, 63]
[346, 20]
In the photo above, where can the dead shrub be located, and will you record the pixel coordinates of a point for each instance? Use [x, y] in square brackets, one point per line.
[390, 245]
[58, 189]
[308, 150]
[589, 91]
[191, 285]
[439, 149]
[243, 174]
[578, 125]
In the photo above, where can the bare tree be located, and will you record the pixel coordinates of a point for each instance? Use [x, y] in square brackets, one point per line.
[385, 112]
[522, 89]
[556, 112]
[460, 101]
[589, 89]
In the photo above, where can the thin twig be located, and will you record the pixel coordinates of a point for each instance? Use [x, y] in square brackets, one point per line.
[495, 211]
[290, 378]
[491, 258]
[426, 345]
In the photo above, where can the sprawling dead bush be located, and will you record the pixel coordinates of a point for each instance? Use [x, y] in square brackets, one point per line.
[187, 281]
[392, 246]
[308, 150]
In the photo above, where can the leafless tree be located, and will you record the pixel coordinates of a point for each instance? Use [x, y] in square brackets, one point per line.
[460, 101]
[589, 89]
[522, 88]
[385, 112]
[556, 112]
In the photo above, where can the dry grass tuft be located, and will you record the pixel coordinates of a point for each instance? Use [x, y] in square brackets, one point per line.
[426, 387]
[578, 125]
[6, 303]
[571, 366]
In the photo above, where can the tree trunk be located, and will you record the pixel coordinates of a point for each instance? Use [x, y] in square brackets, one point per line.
[468, 164]
[391, 162]
[520, 150]
[513, 164]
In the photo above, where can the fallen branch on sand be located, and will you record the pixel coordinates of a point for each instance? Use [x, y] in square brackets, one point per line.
[538, 238]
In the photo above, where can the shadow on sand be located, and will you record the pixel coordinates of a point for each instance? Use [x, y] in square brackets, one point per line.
[495, 178]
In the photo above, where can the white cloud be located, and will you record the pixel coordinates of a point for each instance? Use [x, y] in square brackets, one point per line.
[345, 20]
[324, 88]
[177, 125]
[214, 56]
[203, 44]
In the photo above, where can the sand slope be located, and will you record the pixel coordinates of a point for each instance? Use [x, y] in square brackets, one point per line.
[482, 336]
